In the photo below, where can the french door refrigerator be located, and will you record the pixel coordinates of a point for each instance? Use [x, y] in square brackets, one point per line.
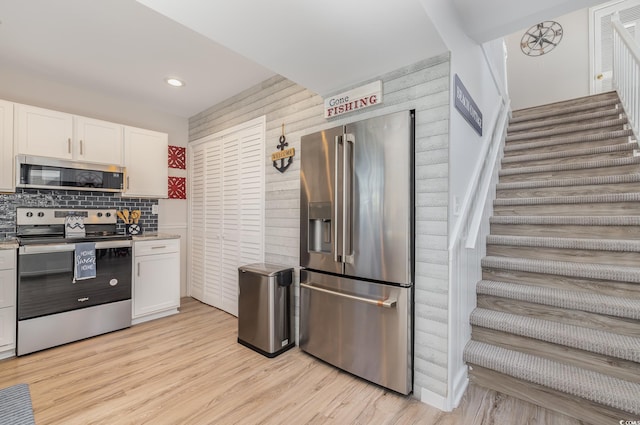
[357, 248]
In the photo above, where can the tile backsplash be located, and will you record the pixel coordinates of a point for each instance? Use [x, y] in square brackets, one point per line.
[43, 198]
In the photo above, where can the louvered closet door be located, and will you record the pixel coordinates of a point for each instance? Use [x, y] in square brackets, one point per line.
[227, 212]
[231, 223]
[197, 193]
[213, 225]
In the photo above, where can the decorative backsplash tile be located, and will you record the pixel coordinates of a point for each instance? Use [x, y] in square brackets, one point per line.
[43, 198]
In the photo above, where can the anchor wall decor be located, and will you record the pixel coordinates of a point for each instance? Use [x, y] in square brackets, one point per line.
[283, 154]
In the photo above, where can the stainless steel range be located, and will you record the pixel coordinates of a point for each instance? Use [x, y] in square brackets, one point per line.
[54, 305]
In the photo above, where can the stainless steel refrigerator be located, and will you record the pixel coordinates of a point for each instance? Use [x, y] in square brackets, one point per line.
[357, 248]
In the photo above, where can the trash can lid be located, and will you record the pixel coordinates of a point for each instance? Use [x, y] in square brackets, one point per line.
[265, 269]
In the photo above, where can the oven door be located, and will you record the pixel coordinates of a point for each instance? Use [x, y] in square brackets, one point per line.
[45, 278]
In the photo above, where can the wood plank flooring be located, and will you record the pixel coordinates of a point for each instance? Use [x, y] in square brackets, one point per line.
[189, 369]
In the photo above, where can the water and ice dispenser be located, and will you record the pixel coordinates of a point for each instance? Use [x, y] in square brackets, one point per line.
[320, 227]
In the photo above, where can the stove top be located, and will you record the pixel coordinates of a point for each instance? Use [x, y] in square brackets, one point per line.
[47, 225]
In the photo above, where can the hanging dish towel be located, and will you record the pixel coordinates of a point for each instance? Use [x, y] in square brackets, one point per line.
[74, 227]
[85, 261]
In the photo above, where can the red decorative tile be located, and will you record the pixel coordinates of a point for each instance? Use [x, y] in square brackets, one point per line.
[177, 188]
[177, 157]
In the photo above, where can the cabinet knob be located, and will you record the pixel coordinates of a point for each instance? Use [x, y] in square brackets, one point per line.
[69, 144]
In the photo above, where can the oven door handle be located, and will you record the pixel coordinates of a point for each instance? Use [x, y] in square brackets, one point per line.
[45, 249]
[114, 244]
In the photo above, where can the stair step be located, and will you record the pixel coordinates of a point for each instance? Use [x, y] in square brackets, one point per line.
[621, 183]
[580, 199]
[564, 268]
[596, 387]
[561, 143]
[605, 167]
[532, 135]
[587, 339]
[570, 220]
[611, 113]
[567, 107]
[561, 298]
[582, 181]
[574, 155]
[614, 245]
[600, 204]
[608, 251]
[617, 368]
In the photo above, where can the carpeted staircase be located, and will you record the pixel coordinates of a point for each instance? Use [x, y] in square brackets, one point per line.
[557, 321]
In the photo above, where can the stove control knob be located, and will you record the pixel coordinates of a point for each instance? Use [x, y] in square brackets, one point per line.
[40, 214]
[29, 214]
[108, 214]
[99, 214]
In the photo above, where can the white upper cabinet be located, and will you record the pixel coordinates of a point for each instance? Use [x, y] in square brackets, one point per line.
[54, 134]
[43, 132]
[98, 141]
[145, 157]
[6, 147]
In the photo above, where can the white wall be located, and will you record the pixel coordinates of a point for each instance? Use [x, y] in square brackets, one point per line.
[33, 89]
[481, 70]
[561, 74]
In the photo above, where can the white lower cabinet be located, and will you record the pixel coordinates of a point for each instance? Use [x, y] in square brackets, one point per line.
[156, 279]
[7, 303]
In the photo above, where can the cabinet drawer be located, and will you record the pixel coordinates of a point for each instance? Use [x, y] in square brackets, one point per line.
[161, 246]
[7, 259]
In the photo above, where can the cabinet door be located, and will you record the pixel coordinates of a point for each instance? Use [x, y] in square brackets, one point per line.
[145, 157]
[156, 283]
[7, 328]
[7, 288]
[6, 147]
[43, 132]
[98, 141]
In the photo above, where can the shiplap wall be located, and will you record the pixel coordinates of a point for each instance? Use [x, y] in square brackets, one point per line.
[423, 86]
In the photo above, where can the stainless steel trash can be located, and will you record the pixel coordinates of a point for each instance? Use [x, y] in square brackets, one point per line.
[265, 308]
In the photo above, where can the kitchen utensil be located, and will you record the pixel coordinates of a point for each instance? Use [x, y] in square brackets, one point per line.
[135, 216]
[125, 212]
[121, 216]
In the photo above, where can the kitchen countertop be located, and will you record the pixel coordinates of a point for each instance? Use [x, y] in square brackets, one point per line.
[154, 236]
[9, 243]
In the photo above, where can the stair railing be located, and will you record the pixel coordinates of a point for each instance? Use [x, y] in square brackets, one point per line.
[626, 72]
[467, 248]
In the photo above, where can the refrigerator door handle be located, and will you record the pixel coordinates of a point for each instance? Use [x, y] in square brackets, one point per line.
[347, 197]
[336, 206]
[388, 303]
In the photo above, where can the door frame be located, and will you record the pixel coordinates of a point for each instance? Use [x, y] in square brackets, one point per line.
[595, 48]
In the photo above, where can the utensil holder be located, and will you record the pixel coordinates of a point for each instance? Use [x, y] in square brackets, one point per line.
[133, 229]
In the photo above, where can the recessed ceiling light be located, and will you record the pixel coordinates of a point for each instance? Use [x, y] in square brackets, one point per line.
[174, 82]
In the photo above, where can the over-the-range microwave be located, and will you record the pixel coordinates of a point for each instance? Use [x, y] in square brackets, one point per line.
[51, 173]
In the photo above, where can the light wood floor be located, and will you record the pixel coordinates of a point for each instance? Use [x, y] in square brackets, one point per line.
[189, 369]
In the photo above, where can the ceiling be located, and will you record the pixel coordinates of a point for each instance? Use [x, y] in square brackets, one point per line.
[223, 47]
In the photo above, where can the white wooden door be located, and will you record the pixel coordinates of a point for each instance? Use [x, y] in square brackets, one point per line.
[98, 141]
[226, 201]
[602, 39]
[43, 132]
[145, 158]
[6, 147]
[213, 224]
[196, 195]
[156, 283]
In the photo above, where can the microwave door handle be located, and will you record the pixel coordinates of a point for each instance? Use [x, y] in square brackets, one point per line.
[347, 197]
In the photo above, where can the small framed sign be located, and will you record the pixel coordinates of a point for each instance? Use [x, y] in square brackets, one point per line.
[466, 106]
[352, 100]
